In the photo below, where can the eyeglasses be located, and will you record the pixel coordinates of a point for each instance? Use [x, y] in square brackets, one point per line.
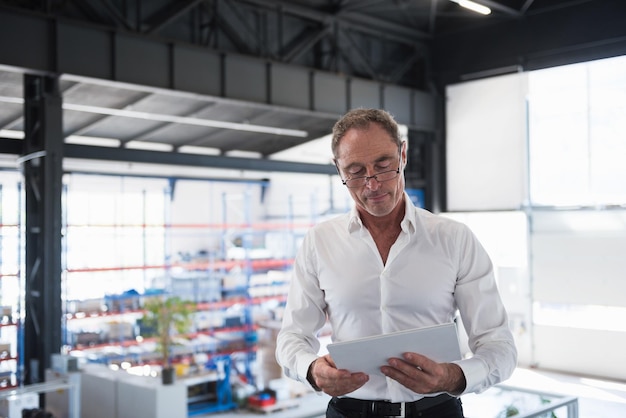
[379, 177]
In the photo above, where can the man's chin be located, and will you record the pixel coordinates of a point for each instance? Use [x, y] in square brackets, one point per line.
[378, 210]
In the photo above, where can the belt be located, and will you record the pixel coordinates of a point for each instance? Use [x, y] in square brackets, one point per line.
[388, 409]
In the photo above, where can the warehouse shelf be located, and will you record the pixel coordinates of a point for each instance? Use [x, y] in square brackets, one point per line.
[235, 272]
[98, 231]
[10, 283]
[201, 306]
[215, 265]
[134, 353]
[131, 313]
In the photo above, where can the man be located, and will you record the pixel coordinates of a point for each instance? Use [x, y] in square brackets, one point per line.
[389, 266]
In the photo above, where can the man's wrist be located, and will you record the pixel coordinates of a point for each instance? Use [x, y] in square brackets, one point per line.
[309, 377]
[458, 381]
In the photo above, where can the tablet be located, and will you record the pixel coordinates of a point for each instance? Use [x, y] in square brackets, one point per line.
[439, 343]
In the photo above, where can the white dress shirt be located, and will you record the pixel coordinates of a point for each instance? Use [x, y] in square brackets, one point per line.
[435, 267]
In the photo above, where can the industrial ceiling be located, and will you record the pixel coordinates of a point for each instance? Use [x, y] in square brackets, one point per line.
[284, 70]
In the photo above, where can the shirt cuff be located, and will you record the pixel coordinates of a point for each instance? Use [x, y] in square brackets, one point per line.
[475, 373]
[304, 362]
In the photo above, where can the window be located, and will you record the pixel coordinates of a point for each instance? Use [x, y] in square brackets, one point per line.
[114, 233]
[577, 134]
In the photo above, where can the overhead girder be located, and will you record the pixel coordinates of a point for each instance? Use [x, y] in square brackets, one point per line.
[58, 46]
[168, 14]
[62, 46]
[303, 44]
[263, 28]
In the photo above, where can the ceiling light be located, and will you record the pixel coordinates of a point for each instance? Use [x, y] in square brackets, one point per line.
[7, 133]
[150, 146]
[192, 149]
[243, 154]
[473, 6]
[93, 140]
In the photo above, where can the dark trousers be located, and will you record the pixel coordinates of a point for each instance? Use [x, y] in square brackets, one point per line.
[449, 409]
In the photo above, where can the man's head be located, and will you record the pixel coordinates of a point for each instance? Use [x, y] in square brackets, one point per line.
[361, 119]
[370, 156]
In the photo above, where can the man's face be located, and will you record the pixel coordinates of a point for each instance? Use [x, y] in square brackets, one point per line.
[367, 152]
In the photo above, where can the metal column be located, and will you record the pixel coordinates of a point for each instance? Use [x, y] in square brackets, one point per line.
[42, 162]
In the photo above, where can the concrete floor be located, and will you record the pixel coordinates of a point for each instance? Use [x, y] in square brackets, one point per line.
[596, 398]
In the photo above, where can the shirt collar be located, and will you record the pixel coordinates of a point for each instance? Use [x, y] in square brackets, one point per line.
[354, 221]
[408, 224]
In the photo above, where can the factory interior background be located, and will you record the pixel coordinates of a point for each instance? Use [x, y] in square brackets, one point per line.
[533, 164]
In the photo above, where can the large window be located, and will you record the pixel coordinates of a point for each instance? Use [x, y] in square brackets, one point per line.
[577, 133]
[549, 146]
[577, 144]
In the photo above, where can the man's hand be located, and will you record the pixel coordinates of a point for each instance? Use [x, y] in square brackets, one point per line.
[332, 381]
[422, 375]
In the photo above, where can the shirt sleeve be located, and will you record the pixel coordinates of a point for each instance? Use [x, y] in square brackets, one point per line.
[297, 344]
[484, 317]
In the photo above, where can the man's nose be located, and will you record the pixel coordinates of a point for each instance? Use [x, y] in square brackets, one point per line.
[372, 182]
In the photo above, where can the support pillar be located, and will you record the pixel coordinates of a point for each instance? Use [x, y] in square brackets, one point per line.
[42, 162]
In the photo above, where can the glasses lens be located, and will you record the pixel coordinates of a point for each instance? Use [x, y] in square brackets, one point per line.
[380, 177]
[386, 175]
[357, 182]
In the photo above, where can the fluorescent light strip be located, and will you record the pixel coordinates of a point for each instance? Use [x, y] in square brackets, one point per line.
[192, 149]
[6, 133]
[186, 120]
[14, 100]
[475, 7]
[150, 146]
[243, 154]
[93, 140]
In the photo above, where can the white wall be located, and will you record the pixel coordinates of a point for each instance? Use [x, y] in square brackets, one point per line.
[579, 257]
[579, 283]
[486, 144]
[586, 352]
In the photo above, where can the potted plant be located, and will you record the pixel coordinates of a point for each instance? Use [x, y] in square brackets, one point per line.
[168, 317]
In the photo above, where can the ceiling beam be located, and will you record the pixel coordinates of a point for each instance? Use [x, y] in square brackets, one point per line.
[15, 147]
[115, 13]
[168, 14]
[205, 161]
[356, 21]
[304, 46]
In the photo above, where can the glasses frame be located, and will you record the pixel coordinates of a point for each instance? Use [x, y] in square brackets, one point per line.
[366, 179]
